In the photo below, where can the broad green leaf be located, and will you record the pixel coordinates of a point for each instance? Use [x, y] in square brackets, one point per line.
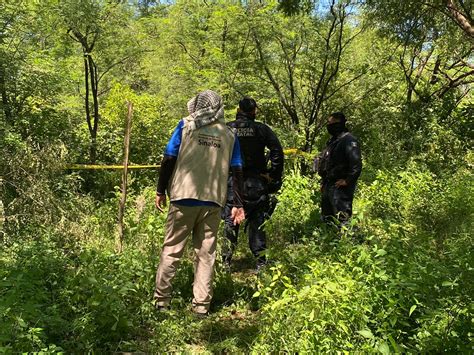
[394, 344]
[384, 348]
[381, 252]
[366, 333]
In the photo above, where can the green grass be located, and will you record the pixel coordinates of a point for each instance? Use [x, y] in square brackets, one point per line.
[401, 285]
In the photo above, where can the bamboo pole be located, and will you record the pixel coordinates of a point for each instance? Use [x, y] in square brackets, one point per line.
[123, 197]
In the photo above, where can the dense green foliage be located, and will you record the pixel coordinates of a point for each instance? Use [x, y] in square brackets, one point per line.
[399, 279]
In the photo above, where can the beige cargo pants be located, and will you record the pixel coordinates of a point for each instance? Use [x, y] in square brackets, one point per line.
[203, 223]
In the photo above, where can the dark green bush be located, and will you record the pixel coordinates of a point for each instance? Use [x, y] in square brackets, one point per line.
[407, 288]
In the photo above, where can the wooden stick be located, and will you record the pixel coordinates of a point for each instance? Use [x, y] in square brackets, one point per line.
[123, 198]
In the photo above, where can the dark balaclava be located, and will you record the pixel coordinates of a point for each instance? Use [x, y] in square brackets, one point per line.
[337, 128]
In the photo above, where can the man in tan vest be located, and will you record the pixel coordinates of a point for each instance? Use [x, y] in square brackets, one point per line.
[194, 172]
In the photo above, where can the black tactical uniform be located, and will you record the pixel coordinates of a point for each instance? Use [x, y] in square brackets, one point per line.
[341, 159]
[254, 137]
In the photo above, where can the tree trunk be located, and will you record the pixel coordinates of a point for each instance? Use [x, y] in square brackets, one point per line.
[91, 85]
[93, 150]
[5, 104]
[461, 20]
[409, 98]
[86, 96]
[3, 89]
[94, 89]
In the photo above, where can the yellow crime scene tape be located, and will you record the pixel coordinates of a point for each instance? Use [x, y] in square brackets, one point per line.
[289, 151]
[103, 167]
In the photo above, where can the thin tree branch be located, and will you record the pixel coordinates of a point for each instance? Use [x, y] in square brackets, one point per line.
[189, 54]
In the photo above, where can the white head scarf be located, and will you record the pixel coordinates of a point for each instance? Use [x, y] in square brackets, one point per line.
[205, 108]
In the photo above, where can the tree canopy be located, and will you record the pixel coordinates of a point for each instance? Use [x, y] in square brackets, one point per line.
[401, 71]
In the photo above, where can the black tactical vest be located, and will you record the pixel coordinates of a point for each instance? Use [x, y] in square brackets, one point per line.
[252, 145]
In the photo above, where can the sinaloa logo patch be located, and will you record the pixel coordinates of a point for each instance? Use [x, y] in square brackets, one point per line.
[209, 143]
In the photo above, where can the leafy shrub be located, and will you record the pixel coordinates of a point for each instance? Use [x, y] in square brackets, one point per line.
[299, 197]
[406, 289]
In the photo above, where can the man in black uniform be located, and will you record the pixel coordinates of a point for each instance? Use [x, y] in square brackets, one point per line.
[259, 180]
[339, 165]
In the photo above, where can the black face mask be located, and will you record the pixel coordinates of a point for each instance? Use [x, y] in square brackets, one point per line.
[335, 128]
[247, 115]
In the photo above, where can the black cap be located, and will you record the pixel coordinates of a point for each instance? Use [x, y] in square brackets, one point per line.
[247, 104]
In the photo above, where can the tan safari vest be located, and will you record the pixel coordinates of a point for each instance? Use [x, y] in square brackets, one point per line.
[202, 167]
